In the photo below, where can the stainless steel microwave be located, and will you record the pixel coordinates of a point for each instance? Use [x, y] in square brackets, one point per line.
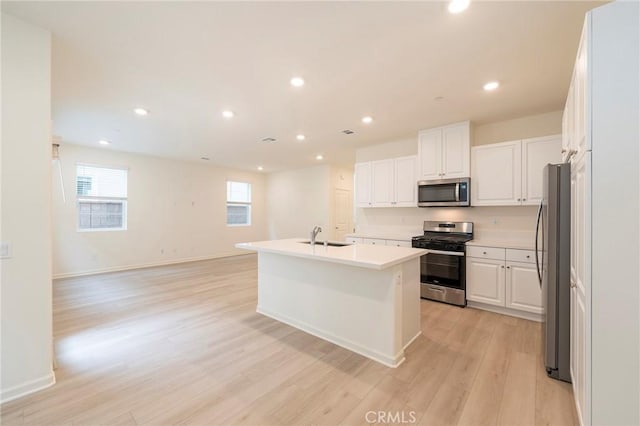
[444, 193]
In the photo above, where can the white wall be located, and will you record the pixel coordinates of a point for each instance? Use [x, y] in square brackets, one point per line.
[297, 200]
[531, 126]
[26, 209]
[176, 212]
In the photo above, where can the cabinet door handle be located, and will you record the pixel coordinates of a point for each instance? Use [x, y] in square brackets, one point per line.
[502, 266]
[508, 267]
[524, 199]
[573, 284]
[484, 252]
[518, 199]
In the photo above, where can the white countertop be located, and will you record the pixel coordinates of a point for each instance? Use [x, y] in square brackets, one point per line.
[515, 244]
[361, 255]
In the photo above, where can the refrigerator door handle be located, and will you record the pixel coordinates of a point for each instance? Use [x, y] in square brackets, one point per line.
[538, 220]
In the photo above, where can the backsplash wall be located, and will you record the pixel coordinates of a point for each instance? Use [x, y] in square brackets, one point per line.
[501, 223]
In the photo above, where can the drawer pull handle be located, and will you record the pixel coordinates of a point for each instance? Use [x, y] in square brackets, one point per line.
[528, 256]
[484, 252]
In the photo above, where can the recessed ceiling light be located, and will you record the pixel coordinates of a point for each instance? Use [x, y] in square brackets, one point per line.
[205, 158]
[367, 120]
[300, 137]
[227, 113]
[492, 85]
[141, 111]
[438, 98]
[457, 6]
[348, 132]
[269, 140]
[104, 142]
[319, 157]
[260, 168]
[297, 82]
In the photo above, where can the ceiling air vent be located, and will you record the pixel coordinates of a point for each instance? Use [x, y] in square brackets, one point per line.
[268, 140]
[348, 132]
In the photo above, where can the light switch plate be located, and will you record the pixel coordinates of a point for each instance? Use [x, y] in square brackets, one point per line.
[4, 250]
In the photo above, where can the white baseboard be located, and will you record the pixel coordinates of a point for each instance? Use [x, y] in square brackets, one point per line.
[144, 265]
[505, 311]
[27, 388]
[418, 334]
[389, 361]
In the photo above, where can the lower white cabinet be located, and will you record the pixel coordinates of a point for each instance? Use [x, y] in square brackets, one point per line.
[503, 277]
[399, 243]
[374, 241]
[523, 288]
[485, 280]
[378, 241]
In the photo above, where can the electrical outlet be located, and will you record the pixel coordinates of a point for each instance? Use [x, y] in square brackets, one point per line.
[5, 252]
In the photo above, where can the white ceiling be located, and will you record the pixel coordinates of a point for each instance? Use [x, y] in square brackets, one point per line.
[186, 62]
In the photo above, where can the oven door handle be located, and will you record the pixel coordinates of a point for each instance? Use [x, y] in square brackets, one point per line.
[448, 253]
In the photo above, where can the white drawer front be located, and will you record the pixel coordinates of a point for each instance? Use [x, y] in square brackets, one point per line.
[527, 256]
[374, 241]
[399, 243]
[486, 252]
[354, 240]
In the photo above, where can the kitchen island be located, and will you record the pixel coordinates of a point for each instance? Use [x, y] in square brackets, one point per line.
[362, 297]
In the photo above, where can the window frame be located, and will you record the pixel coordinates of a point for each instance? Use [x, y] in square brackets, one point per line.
[97, 199]
[238, 203]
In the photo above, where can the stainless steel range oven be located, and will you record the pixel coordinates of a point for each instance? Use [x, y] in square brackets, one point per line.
[442, 269]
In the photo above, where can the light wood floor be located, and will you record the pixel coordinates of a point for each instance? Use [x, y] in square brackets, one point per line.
[183, 345]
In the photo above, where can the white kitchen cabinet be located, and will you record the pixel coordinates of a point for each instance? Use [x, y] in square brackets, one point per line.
[510, 173]
[387, 183]
[604, 138]
[399, 243]
[537, 153]
[496, 174]
[504, 278]
[580, 251]
[363, 184]
[522, 287]
[405, 182]
[383, 177]
[443, 152]
[485, 281]
[374, 241]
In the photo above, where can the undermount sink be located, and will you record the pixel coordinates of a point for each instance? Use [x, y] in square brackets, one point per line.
[331, 244]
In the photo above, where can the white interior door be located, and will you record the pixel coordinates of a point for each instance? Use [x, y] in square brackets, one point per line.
[342, 213]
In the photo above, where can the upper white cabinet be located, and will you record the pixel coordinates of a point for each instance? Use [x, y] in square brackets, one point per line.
[405, 182]
[383, 183]
[510, 173]
[497, 174]
[363, 184]
[386, 183]
[537, 153]
[443, 152]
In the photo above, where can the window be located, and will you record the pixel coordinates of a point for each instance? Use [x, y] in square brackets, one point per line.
[238, 203]
[102, 198]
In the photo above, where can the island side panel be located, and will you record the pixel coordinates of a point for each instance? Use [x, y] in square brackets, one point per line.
[357, 308]
[411, 327]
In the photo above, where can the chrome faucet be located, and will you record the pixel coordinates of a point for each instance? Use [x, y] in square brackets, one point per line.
[314, 234]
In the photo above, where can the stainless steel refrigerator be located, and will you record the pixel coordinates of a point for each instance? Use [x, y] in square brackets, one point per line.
[553, 250]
